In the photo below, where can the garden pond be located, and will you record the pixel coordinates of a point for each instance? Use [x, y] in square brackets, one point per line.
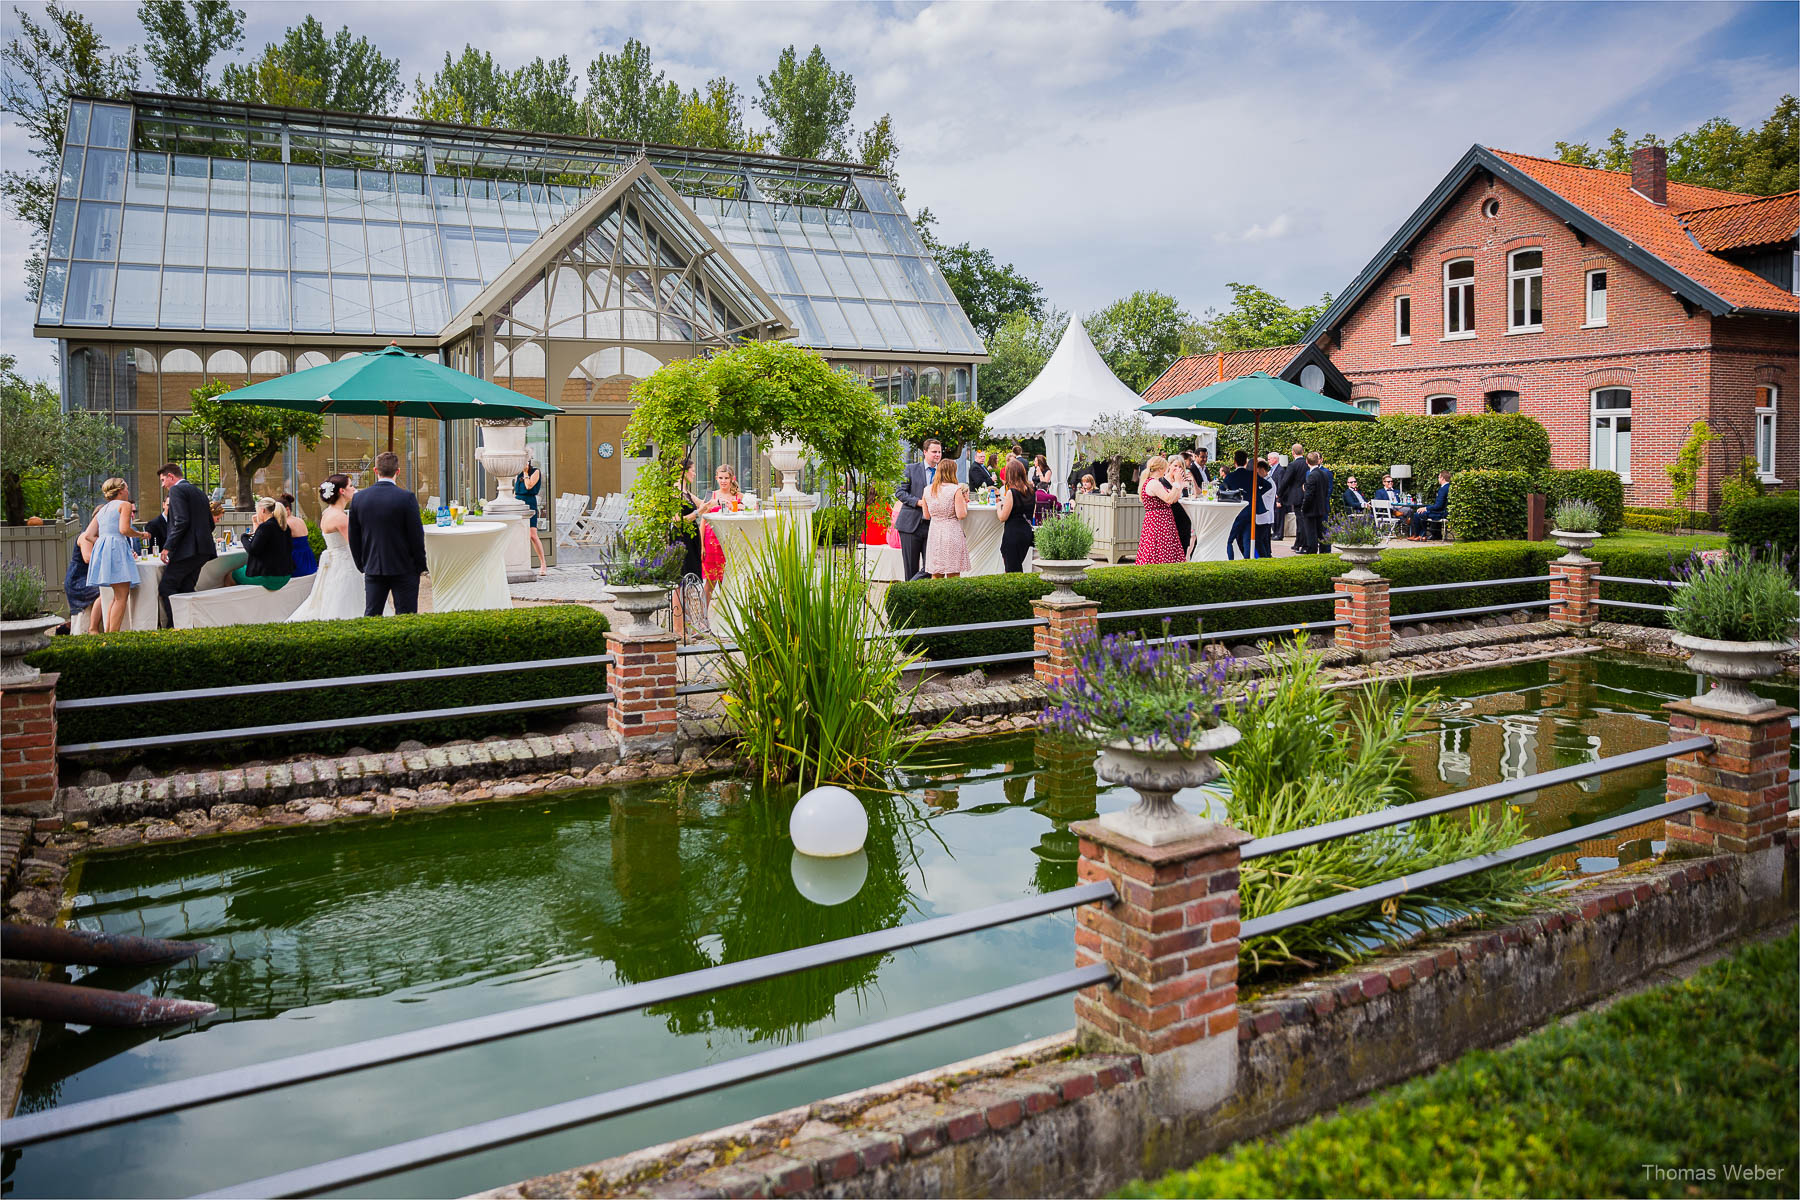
[330, 936]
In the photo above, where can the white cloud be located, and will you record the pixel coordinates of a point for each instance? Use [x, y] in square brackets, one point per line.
[1104, 148]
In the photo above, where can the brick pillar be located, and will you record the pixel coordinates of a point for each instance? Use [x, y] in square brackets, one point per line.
[1573, 592]
[1362, 600]
[642, 679]
[28, 744]
[1067, 619]
[1745, 773]
[1172, 938]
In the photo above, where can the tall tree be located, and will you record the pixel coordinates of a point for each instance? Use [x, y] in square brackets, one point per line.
[989, 291]
[1255, 319]
[181, 40]
[49, 60]
[254, 435]
[628, 98]
[1764, 161]
[879, 150]
[1139, 336]
[308, 70]
[45, 445]
[472, 90]
[1017, 351]
[714, 119]
[809, 104]
[541, 97]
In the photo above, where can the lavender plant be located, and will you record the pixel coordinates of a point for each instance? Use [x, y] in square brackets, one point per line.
[1353, 529]
[1740, 597]
[631, 565]
[1162, 696]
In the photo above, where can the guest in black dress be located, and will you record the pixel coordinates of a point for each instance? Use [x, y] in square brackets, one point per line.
[1014, 511]
[689, 534]
[269, 550]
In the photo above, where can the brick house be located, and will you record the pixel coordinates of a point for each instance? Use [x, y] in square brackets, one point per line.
[1617, 309]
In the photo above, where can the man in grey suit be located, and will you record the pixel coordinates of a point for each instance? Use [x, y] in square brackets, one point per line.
[910, 522]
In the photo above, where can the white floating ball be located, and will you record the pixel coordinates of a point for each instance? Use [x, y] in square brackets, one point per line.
[829, 881]
[829, 822]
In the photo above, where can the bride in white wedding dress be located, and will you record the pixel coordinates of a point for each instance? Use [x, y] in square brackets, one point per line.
[337, 591]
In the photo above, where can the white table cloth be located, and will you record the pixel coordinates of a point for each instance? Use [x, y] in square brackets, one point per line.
[143, 611]
[883, 563]
[1212, 521]
[468, 566]
[740, 534]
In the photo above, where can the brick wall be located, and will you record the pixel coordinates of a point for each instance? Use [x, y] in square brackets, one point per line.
[1679, 368]
[28, 742]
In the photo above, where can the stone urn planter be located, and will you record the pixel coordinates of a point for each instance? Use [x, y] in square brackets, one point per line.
[1731, 665]
[1156, 774]
[1359, 559]
[639, 602]
[1577, 544]
[787, 456]
[1064, 573]
[19, 638]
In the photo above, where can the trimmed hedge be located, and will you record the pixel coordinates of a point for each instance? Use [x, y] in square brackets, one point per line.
[1651, 522]
[1684, 518]
[112, 664]
[1603, 488]
[1367, 474]
[927, 603]
[1460, 442]
[1764, 520]
[1489, 506]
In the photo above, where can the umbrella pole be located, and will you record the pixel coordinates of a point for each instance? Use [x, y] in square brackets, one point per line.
[390, 409]
[1255, 457]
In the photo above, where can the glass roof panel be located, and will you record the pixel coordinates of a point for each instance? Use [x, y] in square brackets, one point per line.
[136, 296]
[185, 244]
[227, 300]
[801, 310]
[62, 229]
[89, 301]
[924, 333]
[837, 274]
[269, 300]
[422, 257]
[868, 283]
[393, 311]
[183, 299]
[811, 275]
[877, 195]
[781, 269]
[831, 318]
[227, 240]
[892, 327]
[97, 232]
[230, 184]
[429, 312]
[50, 299]
[69, 183]
[312, 303]
[111, 126]
[350, 312]
[268, 187]
[104, 178]
[863, 325]
[142, 238]
[148, 182]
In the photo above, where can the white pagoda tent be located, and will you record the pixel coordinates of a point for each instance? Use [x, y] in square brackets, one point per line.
[1074, 388]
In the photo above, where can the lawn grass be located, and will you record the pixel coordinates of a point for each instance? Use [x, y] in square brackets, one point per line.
[1677, 544]
[1698, 1076]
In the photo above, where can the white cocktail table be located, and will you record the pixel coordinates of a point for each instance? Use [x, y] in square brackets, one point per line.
[1212, 521]
[468, 566]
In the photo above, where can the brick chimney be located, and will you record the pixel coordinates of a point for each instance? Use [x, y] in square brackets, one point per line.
[1650, 173]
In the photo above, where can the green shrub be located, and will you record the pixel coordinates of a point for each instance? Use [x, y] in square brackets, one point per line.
[834, 524]
[1746, 484]
[111, 664]
[1603, 488]
[1772, 520]
[1684, 518]
[1652, 522]
[1063, 538]
[1489, 506]
[315, 537]
[1367, 474]
[1577, 1109]
[1739, 598]
[1576, 516]
[21, 592]
[1461, 442]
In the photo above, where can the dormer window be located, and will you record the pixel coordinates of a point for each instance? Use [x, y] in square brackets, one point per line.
[1525, 287]
[1459, 298]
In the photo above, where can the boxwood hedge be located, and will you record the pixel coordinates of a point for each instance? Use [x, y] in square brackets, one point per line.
[1603, 488]
[1766, 520]
[1489, 506]
[1460, 442]
[114, 664]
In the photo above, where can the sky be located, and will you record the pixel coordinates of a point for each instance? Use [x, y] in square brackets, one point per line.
[1107, 148]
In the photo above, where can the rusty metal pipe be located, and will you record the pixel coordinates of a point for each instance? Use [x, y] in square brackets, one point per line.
[45, 943]
[95, 1006]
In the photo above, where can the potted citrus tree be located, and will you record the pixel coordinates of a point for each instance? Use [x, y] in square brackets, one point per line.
[1062, 543]
[1735, 615]
[1158, 713]
[24, 625]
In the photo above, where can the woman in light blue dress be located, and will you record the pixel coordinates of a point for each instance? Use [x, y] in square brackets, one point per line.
[111, 564]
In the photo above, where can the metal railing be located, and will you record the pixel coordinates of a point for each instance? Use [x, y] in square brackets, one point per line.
[184, 1094]
[1602, 602]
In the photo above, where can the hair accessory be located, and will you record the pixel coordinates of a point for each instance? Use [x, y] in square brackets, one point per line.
[328, 491]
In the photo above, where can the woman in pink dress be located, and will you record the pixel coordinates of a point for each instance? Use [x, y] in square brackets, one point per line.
[1157, 541]
[946, 504]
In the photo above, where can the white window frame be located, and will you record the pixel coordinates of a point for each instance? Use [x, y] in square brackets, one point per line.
[1596, 415]
[1467, 307]
[1766, 426]
[1372, 407]
[1588, 291]
[1402, 320]
[1530, 277]
[1431, 411]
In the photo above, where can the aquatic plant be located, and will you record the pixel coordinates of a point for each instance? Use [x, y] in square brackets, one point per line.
[814, 689]
[1309, 756]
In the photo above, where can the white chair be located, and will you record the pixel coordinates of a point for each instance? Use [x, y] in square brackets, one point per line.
[569, 508]
[1386, 523]
[586, 527]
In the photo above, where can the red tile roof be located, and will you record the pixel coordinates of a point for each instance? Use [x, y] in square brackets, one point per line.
[1196, 371]
[1606, 196]
[1765, 221]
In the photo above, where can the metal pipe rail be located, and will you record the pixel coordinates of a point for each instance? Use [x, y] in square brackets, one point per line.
[1287, 918]
[486, 1135]
[305, 685]
[1634, 579]
[1399, 814]
[975, 660]
[1219, 606]
[1632, 604]
[1227, 634]
[1414, 588]
[973, 627]
[332, 723]
[1450, 613]
[161, 1098]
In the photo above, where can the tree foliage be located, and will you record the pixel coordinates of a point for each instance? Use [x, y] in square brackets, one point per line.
[1763, 161]
[182, 39]
[809, 104]
[253, 434]
[714, 119]
[1017, 351]
[879, 150]
[628, 98]
[308, 70]
[768, 390]
[1684, 472]
[989, 291]
[955, 424]
[472, 90]
[44, 445]
[1256, 318]
[1139, 336]
[53, 56]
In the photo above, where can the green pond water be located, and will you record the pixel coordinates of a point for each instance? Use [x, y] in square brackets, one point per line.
[330, 936]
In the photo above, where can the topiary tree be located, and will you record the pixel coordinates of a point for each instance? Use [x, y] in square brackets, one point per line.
[253, 434]
[768, 390]
[1122, 438]
[955, 424]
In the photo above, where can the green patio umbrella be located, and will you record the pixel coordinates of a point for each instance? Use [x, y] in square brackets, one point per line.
[394, 382]
[1249, 398]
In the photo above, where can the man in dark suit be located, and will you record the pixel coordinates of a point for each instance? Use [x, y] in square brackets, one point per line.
[1438, 510]
[1290, 492]
[910, 521]
[387, 540]
[1315, 505]
[979, 475]
[1239, 479]
[188, 541]
[1354, 501]
[156, 529]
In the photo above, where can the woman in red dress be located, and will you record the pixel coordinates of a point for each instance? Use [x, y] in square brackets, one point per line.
[1157, 541]
[875, 524]
[728, 498]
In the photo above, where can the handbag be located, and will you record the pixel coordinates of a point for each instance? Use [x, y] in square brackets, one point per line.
[893, 537]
